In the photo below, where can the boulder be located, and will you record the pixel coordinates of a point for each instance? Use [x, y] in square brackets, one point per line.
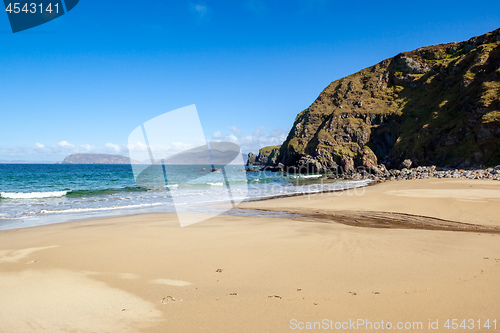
[406, 164]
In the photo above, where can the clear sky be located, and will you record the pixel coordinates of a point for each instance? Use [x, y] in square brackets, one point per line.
[83, 82]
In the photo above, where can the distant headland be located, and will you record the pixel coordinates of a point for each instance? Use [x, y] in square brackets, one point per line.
[96, 159]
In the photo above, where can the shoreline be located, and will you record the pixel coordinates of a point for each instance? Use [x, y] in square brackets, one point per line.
[112, 213]
[371, 219]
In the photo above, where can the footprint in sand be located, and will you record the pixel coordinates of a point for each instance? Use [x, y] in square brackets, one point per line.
[169, 299]
[33, 261]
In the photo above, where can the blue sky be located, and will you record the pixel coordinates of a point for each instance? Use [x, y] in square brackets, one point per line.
[83, 82]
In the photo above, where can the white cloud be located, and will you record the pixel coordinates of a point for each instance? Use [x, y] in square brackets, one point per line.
[86, 147]
[231, 138]
[260, 138]
[12, 152]
[65, 144]
[217, 135]
[260, 131]
[236, 131]
[57, 151]
[139, 145]
[113, 147]
[201, 10]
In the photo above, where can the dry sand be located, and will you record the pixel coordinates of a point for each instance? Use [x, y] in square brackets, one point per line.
[255, 274]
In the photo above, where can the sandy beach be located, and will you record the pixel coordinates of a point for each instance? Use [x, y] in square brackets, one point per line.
[144, 273]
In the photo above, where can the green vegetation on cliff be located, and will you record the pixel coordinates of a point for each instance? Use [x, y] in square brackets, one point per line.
[268, 156]
[435, 105]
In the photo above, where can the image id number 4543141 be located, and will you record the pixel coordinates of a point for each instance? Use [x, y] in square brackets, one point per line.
[33, 8]
[454, 324]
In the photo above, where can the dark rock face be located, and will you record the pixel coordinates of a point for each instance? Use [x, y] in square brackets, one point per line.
[437, 105]
[268, 157]
[96, 159]
[251, 159]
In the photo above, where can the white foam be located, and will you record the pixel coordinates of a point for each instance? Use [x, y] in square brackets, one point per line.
[84, 210]
[216, 184]
[32, 195]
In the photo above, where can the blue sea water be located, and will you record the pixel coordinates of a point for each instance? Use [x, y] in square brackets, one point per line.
[36, 194]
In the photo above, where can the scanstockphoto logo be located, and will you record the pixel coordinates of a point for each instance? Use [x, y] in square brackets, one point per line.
[162, 147]
[25, 15]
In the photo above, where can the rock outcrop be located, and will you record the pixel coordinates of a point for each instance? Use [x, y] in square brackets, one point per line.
[268, 156]
[437, 105]
[251, 159]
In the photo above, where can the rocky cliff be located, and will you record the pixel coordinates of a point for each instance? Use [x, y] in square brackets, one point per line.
[268, 156]
[437, 105]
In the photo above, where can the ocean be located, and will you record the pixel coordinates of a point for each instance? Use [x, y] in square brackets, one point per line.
[37, 194]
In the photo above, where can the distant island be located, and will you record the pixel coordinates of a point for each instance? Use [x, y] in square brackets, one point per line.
[96, 159]
[437, 105]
